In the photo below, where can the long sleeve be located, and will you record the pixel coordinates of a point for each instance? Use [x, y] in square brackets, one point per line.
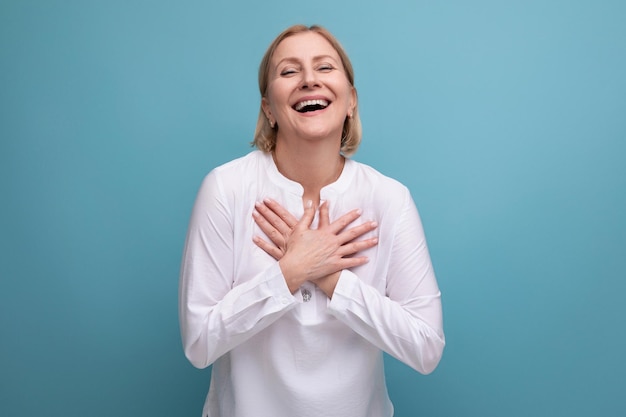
[216, 315]
[406, 321]
[278, 354]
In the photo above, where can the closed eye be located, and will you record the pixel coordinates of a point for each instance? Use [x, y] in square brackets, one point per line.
[287, 72]
[325, 68]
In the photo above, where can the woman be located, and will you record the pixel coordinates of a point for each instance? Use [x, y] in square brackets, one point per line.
[302, 266]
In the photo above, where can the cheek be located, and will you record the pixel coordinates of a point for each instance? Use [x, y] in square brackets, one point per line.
[347, 92]
[348, 101]
[277, 98]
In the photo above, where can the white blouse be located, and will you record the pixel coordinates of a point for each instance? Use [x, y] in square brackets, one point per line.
[276, 354]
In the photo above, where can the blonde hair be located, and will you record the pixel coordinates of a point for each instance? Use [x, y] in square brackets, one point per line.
[265, 134]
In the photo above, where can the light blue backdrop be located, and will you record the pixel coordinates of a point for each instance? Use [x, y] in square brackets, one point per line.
[507, 120]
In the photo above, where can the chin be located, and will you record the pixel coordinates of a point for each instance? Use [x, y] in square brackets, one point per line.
[319, 135]
[319, 131]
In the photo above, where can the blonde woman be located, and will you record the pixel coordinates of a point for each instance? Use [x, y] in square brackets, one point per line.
[301, 265]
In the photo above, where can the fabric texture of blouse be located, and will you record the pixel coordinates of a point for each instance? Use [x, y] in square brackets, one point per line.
[277, 354]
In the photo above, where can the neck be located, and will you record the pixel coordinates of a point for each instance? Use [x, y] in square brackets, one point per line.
[311, 165]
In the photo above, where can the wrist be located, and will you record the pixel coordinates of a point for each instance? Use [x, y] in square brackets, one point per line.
[292, 279]
[328, 283]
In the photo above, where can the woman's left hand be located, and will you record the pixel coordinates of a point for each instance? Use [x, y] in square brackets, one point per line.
[277, 223]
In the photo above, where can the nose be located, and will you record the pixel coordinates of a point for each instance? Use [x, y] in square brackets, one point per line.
[309, 78]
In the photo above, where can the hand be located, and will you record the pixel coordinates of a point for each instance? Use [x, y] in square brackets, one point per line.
[277, 223]
[307, 254]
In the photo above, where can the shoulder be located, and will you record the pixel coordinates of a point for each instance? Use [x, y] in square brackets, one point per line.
[229, 180]
[236, 167]
[370, 178]
[238, 170]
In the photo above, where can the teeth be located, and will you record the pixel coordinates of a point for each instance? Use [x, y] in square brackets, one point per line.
[305, 103]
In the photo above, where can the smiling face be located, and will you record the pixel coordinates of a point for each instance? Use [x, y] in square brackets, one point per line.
[308, 94]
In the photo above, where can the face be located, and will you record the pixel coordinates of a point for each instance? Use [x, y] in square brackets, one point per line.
[308, 94]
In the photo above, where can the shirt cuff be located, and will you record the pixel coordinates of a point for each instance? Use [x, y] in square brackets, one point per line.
[277, 286]
[344, 292]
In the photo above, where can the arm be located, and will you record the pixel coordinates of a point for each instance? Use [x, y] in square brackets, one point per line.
[406, 321]
[214, 316]
[316, 255]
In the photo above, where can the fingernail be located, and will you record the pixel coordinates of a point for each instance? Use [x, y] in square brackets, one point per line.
[374, 224]
[309, 203]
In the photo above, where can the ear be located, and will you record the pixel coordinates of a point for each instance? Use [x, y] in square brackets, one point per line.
[265, 105]
[353, 102]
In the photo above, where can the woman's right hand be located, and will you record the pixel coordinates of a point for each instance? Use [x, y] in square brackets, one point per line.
[307, 254]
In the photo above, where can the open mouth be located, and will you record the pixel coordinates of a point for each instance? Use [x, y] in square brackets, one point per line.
[311, 105]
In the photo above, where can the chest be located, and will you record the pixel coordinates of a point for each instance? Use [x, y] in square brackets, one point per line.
[250, 260]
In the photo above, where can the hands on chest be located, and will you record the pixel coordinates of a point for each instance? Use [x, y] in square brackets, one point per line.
[307, 254]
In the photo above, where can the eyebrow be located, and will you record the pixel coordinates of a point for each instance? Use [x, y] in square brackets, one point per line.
[296, 60]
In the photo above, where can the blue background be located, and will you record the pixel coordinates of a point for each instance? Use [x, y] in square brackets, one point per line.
[507, 120]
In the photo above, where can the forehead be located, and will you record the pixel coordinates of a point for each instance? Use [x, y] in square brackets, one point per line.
[303, 46]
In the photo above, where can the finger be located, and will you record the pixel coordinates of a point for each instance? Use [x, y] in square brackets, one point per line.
[357, 231]
[272, 250]
[307, 217]
[324, 219]
[270, 231]
[343, 221]
[352, 248]
[284, 215]
[272, 218]
[347, 263]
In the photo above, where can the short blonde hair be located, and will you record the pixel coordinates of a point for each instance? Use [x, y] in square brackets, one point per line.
[265, 134]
